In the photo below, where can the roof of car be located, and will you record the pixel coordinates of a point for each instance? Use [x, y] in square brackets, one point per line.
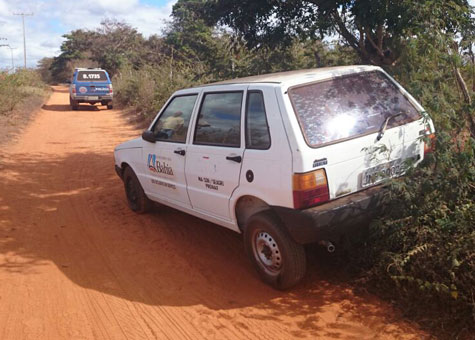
[299, 76]
[89, 68]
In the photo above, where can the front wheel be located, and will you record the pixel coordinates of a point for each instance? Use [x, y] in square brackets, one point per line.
[278, 259]
[136, 197]
[109, 106]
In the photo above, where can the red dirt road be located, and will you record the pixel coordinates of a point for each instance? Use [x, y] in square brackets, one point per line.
[76, 263]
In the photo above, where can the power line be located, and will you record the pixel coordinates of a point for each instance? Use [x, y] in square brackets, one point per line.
[11, 52]
[24, 39]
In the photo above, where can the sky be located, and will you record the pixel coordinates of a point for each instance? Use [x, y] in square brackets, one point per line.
[53, 18]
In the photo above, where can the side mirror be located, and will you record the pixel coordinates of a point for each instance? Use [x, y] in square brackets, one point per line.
[148, 136]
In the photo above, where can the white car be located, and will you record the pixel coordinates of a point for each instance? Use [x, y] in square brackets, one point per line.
[286, 159]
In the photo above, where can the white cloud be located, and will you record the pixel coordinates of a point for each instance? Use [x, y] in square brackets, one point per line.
[53, 18]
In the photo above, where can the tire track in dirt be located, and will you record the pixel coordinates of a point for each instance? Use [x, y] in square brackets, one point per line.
[76, 263]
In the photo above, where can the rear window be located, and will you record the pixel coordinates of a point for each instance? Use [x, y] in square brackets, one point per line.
[349, 106]
[91, 76]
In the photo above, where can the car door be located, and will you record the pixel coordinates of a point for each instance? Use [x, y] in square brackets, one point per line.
[163, 170]
[214, 157]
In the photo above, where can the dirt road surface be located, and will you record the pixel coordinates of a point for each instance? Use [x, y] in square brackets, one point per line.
[76, 263]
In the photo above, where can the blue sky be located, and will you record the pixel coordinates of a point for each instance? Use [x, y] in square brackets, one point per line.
[53, 18]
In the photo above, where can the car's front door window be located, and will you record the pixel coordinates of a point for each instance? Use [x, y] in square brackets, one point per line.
[173, 123]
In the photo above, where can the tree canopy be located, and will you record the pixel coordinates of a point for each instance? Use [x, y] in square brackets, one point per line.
[376, 29]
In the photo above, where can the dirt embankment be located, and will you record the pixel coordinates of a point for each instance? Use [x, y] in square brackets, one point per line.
[76, 263]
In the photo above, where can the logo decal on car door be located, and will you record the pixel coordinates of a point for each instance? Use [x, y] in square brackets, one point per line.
[159, 167]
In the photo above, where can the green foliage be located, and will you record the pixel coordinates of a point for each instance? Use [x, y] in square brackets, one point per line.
[422, 250]
[43, 69]
[147, 89]
[374, 29]
[112, 45]
[15, 87]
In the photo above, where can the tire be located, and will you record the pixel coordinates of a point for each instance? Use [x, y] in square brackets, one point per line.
[136, 197]
[279, 260]
[110, 106]
[73, 103]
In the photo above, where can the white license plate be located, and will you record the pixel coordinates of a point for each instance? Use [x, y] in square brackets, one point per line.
[381, 172]
[93, 98]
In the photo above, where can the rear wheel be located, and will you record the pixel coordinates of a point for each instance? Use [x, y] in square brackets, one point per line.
[136, 197]
[73, 103]
[110, 106]
[278, 259]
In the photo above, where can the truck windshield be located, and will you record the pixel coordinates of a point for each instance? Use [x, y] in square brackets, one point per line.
[91, 76]
[349, 106]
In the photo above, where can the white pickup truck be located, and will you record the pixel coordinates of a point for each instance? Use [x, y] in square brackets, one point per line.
[286, 159]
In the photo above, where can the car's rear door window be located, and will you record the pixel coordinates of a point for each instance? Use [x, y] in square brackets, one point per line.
[349, 106]
[91, 76]
[219, 121]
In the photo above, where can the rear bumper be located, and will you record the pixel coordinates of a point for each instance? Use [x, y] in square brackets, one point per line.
[86, 99]
[332, 220]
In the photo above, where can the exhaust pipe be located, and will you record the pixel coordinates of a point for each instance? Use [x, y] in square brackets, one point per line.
[327, 244]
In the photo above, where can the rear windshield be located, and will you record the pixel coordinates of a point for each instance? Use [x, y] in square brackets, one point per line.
[91, 76]
[349, 106]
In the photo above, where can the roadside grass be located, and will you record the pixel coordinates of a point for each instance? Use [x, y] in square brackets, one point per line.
[21, 94]
[18, 87]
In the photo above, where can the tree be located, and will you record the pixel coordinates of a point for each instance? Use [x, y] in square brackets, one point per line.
[112, 45]
[375, 29]
[44, 65]
[116, 43]
[76, 47]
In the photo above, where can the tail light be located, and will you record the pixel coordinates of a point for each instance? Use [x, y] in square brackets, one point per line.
[310, 188]
[429, 142]
[110, 88]
[73, 88]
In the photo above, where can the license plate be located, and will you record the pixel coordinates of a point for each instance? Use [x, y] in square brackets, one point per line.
[93, 98]
[381, 172]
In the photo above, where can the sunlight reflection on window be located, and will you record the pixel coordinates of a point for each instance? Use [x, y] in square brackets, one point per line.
[341, 126]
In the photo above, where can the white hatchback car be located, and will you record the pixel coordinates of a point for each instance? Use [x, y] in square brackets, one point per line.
[286, 159]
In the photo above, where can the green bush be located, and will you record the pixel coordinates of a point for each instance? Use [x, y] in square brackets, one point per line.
[421, 252]
[147, 89]
[16, 87]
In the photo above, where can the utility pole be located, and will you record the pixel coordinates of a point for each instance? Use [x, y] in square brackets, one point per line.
[11, 52]
[24, 39]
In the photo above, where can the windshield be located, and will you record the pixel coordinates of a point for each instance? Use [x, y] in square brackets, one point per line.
[91, 76]
[349, 106]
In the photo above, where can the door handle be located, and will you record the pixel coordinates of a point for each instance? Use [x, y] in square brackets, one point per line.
[180, 152]
[236, 159]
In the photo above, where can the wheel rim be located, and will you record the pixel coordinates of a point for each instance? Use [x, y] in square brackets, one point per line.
[266, 251]
[131, 192]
